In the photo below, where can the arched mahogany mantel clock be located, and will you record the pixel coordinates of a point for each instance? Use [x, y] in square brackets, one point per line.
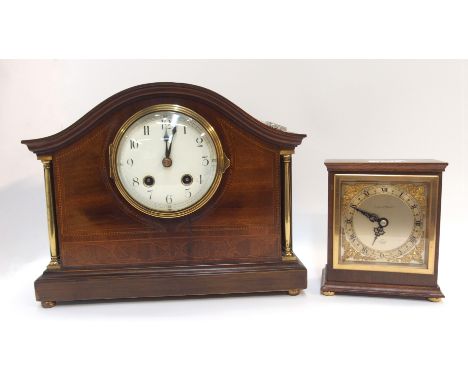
[167, 189]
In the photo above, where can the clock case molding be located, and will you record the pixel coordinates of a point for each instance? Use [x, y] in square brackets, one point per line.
[103, 248]
[375, 283]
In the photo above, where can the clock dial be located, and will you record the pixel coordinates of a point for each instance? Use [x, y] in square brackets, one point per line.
[383, 223]
[167, 161]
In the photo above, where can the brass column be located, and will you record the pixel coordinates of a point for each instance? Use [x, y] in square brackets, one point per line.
[286, 162]
[54, 259]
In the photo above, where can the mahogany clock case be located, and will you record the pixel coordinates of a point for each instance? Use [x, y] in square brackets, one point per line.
[104, 248]
[369, 282]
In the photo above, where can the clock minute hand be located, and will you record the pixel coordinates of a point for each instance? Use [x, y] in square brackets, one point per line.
[382, 222]
[168, 152]
[372, 217]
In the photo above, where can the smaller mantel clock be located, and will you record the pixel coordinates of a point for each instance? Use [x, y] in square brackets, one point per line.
[383, 228]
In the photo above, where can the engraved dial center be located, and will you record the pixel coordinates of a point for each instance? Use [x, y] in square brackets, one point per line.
[383, 223]
[395, 211]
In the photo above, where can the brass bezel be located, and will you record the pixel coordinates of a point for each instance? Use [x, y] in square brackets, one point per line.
[431, 221]
[222, 162]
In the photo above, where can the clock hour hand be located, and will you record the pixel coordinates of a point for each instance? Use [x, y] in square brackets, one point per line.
[167, 161]
[166, 139]
[378, 231]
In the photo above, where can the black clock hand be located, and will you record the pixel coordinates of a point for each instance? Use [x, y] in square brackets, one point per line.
[166, 139]
[382, 222]
[372, 217]
[378, 231]
[168, 152]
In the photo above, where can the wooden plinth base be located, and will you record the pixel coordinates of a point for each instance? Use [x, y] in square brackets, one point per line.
[329, 288]
[78, 285]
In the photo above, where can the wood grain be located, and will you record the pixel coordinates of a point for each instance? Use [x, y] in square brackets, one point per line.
[170, 92]
[403, 166]
[99, 230]
[369, 282]
[242, 223]
[379, 289]
[169, 281]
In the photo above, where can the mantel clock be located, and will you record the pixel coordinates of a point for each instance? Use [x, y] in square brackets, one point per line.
[167, 189]
[383, 234]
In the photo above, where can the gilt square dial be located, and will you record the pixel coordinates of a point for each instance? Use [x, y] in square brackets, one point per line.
[385, 222]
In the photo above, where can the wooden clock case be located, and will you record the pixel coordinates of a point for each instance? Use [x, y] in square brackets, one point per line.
[381, 283]
[103, 248]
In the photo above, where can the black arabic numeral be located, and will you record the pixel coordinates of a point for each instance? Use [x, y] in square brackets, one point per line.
[199, 141]
[134, 144]
[146, 130]
[164, 121]
[136, 181]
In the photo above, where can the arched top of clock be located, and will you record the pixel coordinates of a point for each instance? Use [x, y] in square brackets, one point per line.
[48, 145]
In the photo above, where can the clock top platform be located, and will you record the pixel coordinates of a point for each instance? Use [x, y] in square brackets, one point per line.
[384, 165]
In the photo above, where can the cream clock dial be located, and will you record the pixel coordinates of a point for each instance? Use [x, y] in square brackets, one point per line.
[168, 161]
[383, 223]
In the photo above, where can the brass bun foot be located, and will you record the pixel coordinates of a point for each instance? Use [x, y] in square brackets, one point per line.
[434, 299]
[294, 292]
[48, 304]
[328, 293]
